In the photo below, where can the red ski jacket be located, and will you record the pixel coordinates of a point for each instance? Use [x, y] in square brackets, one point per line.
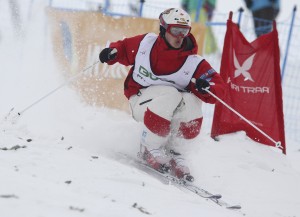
[166, 60]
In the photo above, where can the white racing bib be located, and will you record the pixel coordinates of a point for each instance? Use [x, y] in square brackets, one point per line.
[144, 75]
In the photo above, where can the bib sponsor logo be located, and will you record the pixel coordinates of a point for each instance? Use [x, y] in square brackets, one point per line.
[147, 74]
[143, 72]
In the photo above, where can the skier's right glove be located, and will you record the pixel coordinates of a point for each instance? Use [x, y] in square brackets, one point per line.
[201, 85]
[107, 54]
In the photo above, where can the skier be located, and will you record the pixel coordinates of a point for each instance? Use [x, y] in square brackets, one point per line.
[166, 86]
[264, 12]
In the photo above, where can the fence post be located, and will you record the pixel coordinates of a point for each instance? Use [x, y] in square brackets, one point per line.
[199, 6]
[106, 6]
[288, 43]
[241, 10]
[141, 7]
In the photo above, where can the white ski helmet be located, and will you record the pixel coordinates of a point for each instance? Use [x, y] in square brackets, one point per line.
[177, 18]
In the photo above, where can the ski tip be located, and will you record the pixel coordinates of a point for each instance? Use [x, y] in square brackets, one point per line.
[234, 207]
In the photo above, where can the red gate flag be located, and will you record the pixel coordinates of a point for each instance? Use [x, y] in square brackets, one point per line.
[252, 74]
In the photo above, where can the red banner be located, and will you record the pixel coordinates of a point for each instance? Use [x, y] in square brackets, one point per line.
[252, 74]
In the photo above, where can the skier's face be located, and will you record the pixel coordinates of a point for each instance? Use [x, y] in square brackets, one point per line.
[175, 42]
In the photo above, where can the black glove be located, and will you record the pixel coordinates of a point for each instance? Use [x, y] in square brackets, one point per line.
[202, 84]
[107, 54]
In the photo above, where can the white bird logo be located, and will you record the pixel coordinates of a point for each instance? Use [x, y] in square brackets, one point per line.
[244, 68]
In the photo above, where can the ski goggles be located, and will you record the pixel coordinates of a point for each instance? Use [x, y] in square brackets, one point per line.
[178, 30]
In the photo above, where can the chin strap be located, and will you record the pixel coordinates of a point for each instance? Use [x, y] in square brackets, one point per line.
[162, 31]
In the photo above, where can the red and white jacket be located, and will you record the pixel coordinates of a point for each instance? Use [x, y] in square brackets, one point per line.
[154, 62]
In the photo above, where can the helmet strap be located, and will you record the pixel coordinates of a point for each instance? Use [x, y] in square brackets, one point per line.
[162, 31]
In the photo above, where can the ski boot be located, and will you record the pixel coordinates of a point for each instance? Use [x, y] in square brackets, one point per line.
[156, 159]
[178, 167]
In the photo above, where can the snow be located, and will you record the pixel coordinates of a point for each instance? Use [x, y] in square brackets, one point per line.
[62, 157]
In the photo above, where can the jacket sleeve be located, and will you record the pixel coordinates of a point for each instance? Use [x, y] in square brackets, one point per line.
[217, 85]
[126, 50]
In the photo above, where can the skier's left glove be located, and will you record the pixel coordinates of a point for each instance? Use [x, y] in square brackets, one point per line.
[202, 84]
[107, 54]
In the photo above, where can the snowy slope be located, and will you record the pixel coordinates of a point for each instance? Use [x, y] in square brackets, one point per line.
[61, 156]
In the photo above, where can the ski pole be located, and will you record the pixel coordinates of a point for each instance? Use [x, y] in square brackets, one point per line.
[52, 91]
[277, 144]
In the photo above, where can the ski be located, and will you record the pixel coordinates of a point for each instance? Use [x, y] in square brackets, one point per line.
[183, 184]
[167, 178]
